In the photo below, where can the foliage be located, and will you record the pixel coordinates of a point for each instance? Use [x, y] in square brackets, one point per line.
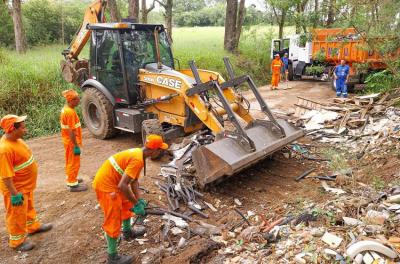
[320, 56]
[382, 81]
[304, 38]
[315, 69]
[361, 68]
[35, 90]
[6, 28]
[208, 16]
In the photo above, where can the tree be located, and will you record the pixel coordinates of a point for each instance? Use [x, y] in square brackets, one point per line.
[300, 16]
[145, 11]
[187, 6]
[281, 9]
[19, 32]
[331, 13]
[234, 19]
[133, 9]
[167, 5]
[114, 11]
[6, 29]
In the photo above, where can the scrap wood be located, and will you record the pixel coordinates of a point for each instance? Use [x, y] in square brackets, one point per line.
[304, 174]
[343, 122]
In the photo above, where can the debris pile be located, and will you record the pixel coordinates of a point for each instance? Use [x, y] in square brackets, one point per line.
[361, 226]
[362, 122]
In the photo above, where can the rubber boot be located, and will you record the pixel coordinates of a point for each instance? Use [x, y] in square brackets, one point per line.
[131, 234]
[119, 259]
[78, 188]
[43, 228]
[26, 246]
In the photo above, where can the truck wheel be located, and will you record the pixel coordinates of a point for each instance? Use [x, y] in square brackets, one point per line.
[290, 75]
[152, 126]
[98, 114]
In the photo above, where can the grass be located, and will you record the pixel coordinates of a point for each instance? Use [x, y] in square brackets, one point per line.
[31, 84]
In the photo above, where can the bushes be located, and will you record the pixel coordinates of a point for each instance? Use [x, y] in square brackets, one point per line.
[34, 89]
[381, 81]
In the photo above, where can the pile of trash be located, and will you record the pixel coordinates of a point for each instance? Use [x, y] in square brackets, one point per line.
[362, 122]
[355, 227]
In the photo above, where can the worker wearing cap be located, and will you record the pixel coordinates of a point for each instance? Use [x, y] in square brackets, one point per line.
[341, 75]
[276, 66]
[71, 133]
[18, 175]
[117, 189]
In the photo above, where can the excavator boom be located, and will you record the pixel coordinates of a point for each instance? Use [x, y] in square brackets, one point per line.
[73, 69]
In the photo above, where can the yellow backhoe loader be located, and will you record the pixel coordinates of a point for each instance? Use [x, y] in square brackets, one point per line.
[130, 83]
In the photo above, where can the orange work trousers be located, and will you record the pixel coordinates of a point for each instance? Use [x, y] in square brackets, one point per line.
[275, 79]
[116, 209]
[72, 165]
[20, 220]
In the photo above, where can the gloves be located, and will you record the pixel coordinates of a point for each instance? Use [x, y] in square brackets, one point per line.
[139, 208]
[77, 150]
[143, 201]
[17, 200]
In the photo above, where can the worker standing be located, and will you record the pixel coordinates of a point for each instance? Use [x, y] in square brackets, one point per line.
[71, 133]
[276, 66]
[341, 75]
[117, 190]
[18, 175]
[285, 62]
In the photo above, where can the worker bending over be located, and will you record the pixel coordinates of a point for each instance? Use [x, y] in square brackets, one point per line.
[71, 133]
[117, 190]
[276, 66]
[341, 75]
[18, 175]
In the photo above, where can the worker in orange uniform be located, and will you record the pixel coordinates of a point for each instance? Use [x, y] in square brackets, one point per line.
[71, 133]
[276, 66]
[117, 189]
[18, 175]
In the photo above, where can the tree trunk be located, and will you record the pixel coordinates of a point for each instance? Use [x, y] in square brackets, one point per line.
[145, 11]
[331, 13]
[316, 7]
[168, 17]
[282, 24]
[230, 24]
[133, 10]
[114, 11]
[20, 41]
[239, 22]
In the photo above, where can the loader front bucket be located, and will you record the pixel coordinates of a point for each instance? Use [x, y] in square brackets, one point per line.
[226, 156]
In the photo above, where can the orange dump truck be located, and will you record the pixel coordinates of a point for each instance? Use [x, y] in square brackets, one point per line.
[316, 55]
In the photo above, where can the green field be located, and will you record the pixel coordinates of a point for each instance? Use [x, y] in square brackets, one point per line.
[31, 84]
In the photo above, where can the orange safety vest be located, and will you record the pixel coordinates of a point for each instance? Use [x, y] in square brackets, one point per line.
[276, 66]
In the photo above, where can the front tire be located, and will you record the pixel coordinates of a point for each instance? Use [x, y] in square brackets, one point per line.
[98, 113]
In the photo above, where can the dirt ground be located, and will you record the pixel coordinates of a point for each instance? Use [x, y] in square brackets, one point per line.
[77, 236]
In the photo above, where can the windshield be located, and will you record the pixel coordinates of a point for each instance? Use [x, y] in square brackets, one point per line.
[140, 48]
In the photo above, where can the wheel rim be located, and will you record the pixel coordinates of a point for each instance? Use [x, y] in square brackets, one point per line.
[94, 115]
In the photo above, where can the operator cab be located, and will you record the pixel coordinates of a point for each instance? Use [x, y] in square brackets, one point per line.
[119, 50]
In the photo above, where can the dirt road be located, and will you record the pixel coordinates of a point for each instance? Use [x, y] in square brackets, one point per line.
[77, 235]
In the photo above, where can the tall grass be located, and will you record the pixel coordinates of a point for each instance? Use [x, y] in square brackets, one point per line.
[31, 84]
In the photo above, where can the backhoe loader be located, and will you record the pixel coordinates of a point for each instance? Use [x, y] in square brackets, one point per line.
[130, 83]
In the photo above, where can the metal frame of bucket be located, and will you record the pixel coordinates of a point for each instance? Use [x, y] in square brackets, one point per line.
[245, 146]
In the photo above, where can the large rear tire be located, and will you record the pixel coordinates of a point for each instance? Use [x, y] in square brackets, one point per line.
[98, 114]
[290, 75]
[152, 126]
